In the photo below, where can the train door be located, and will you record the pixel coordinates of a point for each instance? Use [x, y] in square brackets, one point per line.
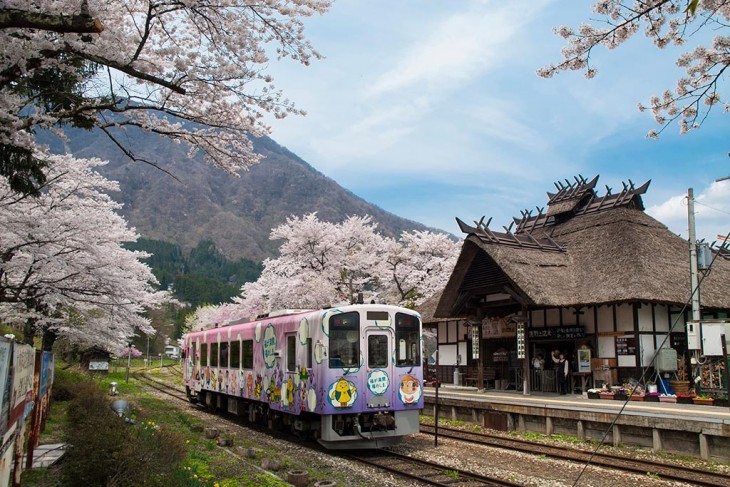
[380, 388]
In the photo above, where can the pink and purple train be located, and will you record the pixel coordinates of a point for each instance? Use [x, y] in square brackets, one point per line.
[350, 376]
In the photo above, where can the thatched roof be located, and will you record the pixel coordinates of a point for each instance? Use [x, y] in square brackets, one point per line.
[615, 254]
[428, 308]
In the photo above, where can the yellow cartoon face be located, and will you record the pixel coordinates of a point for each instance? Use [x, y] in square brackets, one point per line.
[342, 393]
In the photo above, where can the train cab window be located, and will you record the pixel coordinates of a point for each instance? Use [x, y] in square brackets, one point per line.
[247, 349]
[235, 354]
[204, 355]
[345, 340]
[224, 354]
[407, 340]
[377, 351]
[214, 355]
[291, 353]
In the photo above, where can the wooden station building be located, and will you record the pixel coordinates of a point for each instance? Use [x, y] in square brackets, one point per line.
[591, 273]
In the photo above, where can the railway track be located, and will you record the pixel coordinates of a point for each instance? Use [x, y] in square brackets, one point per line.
[662, 470]
[424, 471]
[427, 473]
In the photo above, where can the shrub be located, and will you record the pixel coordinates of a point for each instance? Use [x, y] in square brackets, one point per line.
[65, 383]
[105, 450]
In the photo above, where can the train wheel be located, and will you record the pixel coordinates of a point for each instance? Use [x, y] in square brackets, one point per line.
[191, 398]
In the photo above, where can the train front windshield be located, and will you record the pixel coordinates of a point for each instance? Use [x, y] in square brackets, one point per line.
[345, 340]
[408, 340]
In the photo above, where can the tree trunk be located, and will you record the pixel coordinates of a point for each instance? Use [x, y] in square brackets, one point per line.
[28, 331]
[49, 338]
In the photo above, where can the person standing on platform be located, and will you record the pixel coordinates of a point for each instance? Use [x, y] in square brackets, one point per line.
[562, 372]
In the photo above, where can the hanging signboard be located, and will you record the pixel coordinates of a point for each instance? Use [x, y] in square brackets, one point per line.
[498, 328]
[557, 333]
[475, 342]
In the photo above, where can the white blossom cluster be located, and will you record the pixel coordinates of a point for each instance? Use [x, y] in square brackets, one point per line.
[324, 264]
[665, 22]
[199, 61]
[62, 264]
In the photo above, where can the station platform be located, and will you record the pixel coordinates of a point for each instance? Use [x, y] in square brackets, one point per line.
[688, 429]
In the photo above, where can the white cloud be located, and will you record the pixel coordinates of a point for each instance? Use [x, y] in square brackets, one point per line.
[464, 46]
[712, 212]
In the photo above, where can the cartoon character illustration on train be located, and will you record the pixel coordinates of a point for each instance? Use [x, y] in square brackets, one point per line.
[351, 377]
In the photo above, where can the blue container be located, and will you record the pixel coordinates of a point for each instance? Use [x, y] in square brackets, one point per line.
[664, 387]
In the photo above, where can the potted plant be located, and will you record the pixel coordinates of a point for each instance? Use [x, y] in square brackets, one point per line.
[606, 394]
[668, 398]
[620, 395]
[651, 397]
[685, 398]
[721, 400]
[594, 393]
[703, 400]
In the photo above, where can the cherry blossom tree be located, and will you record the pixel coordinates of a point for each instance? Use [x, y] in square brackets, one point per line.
[665, 22]
[192, 71]
[418, 266]
[323, 264]
[210, 315]
[63, 270]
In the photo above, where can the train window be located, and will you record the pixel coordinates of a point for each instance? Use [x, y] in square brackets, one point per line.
[224, 355]
[235, 354]
[247, 348]
[204, 355]
[344, 349]
[214, 355]
[408, 340]
[291, 353]
[309, 353]
[377, 316]
[377, 351]
[193, 348]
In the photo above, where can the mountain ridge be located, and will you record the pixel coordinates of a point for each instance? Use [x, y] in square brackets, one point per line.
[201, 202]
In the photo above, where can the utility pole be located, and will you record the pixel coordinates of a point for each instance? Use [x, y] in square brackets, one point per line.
[694, 279]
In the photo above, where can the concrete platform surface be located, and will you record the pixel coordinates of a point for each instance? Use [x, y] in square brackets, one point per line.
[46, 455]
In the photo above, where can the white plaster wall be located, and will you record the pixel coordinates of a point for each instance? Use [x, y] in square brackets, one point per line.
[553, 317]
[447, 354]
[625, 317]
[646, 342]
[645, 319]
[605, 319]
[587, 320]
[661, 317]
[606, 347]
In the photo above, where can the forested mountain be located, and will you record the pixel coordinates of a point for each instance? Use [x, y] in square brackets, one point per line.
[185, 201]
[203, 276]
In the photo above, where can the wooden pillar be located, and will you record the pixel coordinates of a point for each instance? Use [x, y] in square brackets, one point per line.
[548, 425]
[581, 432]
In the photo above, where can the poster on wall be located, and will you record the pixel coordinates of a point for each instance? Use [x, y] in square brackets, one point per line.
[6, 347]
[21, 400]
[626, 345]
[495, 328]
[47, 360]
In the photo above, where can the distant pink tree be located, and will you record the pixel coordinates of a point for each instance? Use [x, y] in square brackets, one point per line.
[129, 352]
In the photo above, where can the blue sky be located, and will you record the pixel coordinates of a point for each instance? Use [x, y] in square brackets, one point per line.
[432, 110]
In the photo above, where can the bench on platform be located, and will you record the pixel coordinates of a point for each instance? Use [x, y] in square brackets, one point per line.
[471, 377]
